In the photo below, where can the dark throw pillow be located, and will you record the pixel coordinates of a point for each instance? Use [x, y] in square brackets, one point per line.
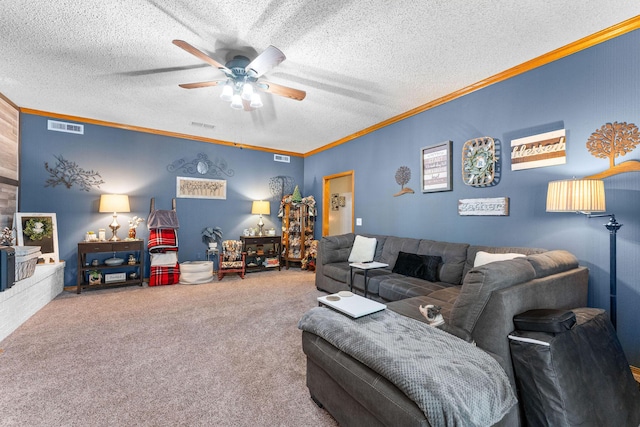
[420, 266]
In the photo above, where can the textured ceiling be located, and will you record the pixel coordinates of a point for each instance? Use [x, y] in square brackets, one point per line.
[361, 62]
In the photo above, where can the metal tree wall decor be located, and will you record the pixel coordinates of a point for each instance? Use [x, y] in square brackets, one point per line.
[201, 165]
[281, 185]
[478, 161]
[403, 175]
[69, 173]
[614, 140]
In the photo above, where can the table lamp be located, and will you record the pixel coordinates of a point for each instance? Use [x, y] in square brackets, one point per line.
[114, 203]
[586, 196]
[260, 208]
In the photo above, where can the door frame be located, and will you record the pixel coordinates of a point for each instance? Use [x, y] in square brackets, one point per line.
[326, 199]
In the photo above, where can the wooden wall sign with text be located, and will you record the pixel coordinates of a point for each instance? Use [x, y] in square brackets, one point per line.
[498, 206]
[545, 149]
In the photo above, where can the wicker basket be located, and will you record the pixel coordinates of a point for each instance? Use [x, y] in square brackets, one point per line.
[26, 260]
[26, 268]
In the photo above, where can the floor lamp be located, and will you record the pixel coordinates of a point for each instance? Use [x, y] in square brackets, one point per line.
[586, 196]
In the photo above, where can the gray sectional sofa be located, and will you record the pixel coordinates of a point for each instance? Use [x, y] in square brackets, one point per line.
[478, 304]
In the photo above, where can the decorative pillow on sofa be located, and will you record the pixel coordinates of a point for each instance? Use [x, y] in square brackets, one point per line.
[363, 250]
[483, 258]
[420, 266]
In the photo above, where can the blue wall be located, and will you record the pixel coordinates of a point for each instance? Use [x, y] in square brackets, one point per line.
[135, 163]
[579, 93]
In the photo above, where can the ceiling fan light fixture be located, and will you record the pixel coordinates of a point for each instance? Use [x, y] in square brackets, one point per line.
[236, 102]
[227, 93]
[247, 91]
[256, 101]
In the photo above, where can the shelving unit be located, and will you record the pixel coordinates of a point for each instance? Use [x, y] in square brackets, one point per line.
[88, 251]
[259, 249]
[297, 226]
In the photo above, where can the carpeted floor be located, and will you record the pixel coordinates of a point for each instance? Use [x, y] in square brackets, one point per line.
[225, 353]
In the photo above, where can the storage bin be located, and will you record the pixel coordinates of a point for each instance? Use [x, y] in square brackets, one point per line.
[196, 272]
[26, 260]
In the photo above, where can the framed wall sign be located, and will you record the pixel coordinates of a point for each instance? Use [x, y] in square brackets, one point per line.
[201, 188]
[435, 164]
[545, 149]
[496, 206]
[38, 229]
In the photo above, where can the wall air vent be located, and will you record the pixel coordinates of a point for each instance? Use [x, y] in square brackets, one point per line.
[281, 158]
[65, 127]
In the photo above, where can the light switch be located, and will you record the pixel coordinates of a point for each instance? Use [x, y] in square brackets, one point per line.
[358, 221]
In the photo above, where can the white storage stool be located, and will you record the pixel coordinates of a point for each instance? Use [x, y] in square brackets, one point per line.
[196, 272]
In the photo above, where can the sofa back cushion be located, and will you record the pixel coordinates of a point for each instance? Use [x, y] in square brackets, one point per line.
[393, 245]
[336, 248]
[474, 249]
[552, 262]
[379, 246]
[453, 257]
[480, 282]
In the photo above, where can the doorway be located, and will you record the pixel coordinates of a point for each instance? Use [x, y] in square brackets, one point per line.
[338, 203]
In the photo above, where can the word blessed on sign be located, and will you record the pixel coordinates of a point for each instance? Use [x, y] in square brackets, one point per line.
[495, 206]
[545, 149]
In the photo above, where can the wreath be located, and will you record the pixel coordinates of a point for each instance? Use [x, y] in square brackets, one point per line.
[479, 165]
[38, 228]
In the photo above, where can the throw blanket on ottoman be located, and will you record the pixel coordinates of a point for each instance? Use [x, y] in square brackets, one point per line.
[453, 382]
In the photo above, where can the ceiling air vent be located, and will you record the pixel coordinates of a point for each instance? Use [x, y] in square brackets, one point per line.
[65, 127]
[281, 158]
[203, 125]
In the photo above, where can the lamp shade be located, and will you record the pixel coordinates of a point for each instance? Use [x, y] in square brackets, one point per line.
[114, 203]
[260, 208]
[576, 195]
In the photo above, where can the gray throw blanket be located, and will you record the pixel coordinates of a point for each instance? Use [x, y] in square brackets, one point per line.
[453, 382]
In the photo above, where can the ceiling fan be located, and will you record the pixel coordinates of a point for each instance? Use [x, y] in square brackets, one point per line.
[243, 76]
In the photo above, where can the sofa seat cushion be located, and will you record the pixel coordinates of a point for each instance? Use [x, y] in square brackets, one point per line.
[409, 307]
[396, 286]
[447, 295]
[374, 277]
[338, 271]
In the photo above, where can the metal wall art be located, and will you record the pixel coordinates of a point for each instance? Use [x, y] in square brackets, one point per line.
[201, 188]
[545, 149]
[403, 175]
[281, 185]
[478, 161]
[484, 207]
[69, 173]
[201, 165]
[435, 164]
[614, 140]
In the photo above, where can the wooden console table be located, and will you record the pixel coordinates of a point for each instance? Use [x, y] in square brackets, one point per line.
[89, 251]
[260, 248]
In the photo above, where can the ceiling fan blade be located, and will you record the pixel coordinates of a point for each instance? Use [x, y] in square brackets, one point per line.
[202, 84]
[268, 59]
[201, 55]
[285, 91]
